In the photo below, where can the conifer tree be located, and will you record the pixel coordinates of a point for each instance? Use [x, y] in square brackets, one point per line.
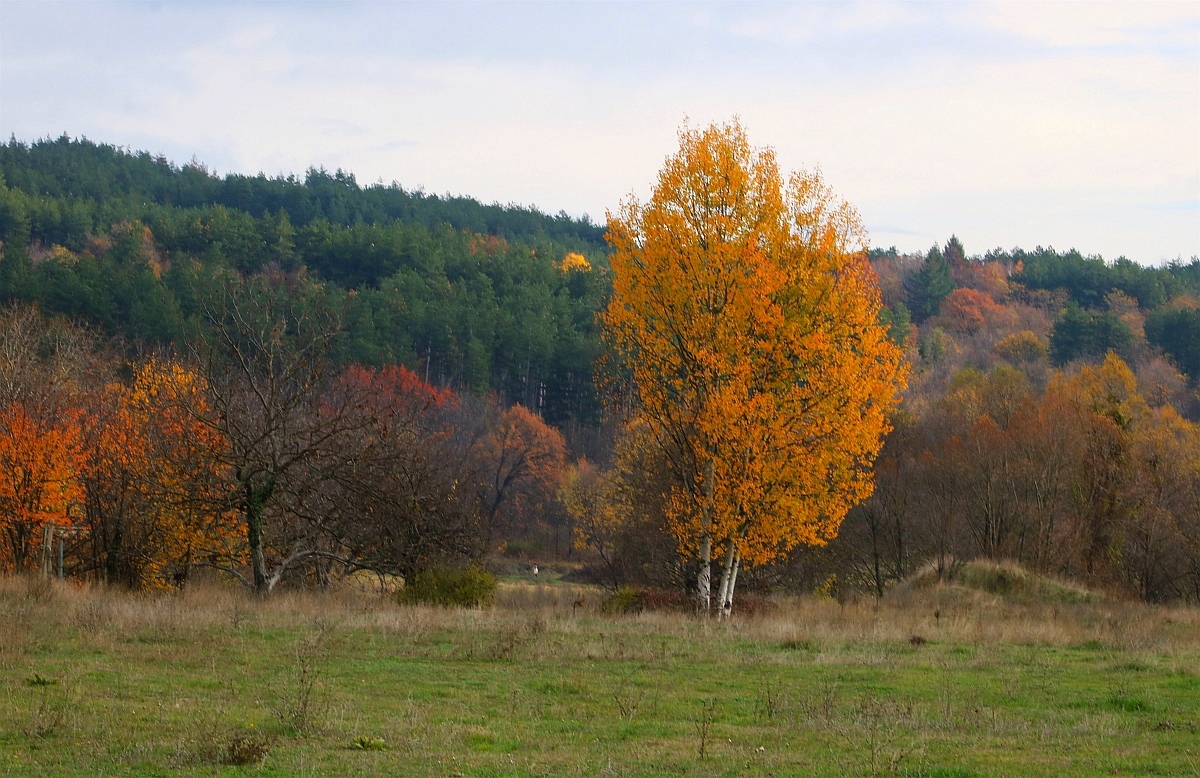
[929, 286]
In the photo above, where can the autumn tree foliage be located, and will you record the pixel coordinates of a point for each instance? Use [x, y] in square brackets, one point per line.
[41, 364]
[968, 309]
[400, 504]
[747, 317]
[39, 462]
[154, 495]
[153, 467]
[1084, 480]
[519, 461]
[342, 470]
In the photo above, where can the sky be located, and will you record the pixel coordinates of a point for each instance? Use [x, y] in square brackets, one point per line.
[1071, 125]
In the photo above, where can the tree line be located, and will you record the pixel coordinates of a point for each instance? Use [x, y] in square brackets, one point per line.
[252, 454]
[369, 378]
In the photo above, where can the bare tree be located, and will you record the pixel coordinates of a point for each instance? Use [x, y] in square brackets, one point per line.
[267, 357]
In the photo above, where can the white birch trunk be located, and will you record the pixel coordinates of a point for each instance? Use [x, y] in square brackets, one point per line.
[704, 576]
[737, 565]
[725, 593]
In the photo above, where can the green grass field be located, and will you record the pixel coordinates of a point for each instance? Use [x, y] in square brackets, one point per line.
[350, 683]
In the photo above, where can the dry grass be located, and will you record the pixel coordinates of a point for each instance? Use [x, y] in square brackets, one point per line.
[945, 613]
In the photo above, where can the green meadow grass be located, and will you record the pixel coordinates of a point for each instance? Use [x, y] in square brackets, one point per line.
[351, 683]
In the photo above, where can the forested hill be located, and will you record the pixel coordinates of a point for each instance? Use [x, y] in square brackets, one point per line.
[97, 172]
[471, 295]
[489, 297]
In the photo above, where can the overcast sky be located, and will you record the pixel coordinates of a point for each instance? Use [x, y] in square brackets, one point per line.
[1022, 124]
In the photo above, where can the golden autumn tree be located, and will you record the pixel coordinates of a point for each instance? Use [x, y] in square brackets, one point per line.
[189, 484]
[154, 494]
[746, 315]
[39, 464]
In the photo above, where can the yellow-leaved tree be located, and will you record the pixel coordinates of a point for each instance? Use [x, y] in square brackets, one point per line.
[746, 315]
[153, 504]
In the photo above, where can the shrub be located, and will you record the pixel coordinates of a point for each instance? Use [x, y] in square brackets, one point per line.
[668, 600]
[243, 747]
[828, 588]
[627, 599]
[450, 588]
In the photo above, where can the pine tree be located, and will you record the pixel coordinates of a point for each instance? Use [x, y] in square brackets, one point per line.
[929, 286]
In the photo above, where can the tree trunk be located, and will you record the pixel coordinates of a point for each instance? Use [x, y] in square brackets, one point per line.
[878, 577]
[112, 560]
[725, 593]
[19, 533]
[737, 565]
[324, 570]
[256, 502]
[733, 563]
[704, 575]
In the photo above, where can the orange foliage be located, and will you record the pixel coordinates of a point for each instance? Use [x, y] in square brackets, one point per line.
[991, 278]
[575, 261]
[39, 461]
[152, 491]
[188, 483]
[524, 460]
[748, 319]
[967, 310]
[488, 245]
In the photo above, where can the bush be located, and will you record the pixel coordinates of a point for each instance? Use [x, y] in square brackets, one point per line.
[243, 747]
[450, 588]
[668, 600]
[627, 599]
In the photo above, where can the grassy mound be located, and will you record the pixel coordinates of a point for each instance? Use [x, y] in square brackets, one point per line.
[1006, 581]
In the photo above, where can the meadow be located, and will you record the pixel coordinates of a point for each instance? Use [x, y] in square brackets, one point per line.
[932, 681]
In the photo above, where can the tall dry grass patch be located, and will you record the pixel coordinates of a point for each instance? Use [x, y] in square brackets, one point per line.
[942, 613]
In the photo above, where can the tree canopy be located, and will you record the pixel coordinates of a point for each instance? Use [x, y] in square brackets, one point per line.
[746, 316]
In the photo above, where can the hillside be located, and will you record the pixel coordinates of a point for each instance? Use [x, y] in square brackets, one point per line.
[470, 295]
[473, 295]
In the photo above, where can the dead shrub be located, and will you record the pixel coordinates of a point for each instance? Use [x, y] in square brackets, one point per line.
[246, 747]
